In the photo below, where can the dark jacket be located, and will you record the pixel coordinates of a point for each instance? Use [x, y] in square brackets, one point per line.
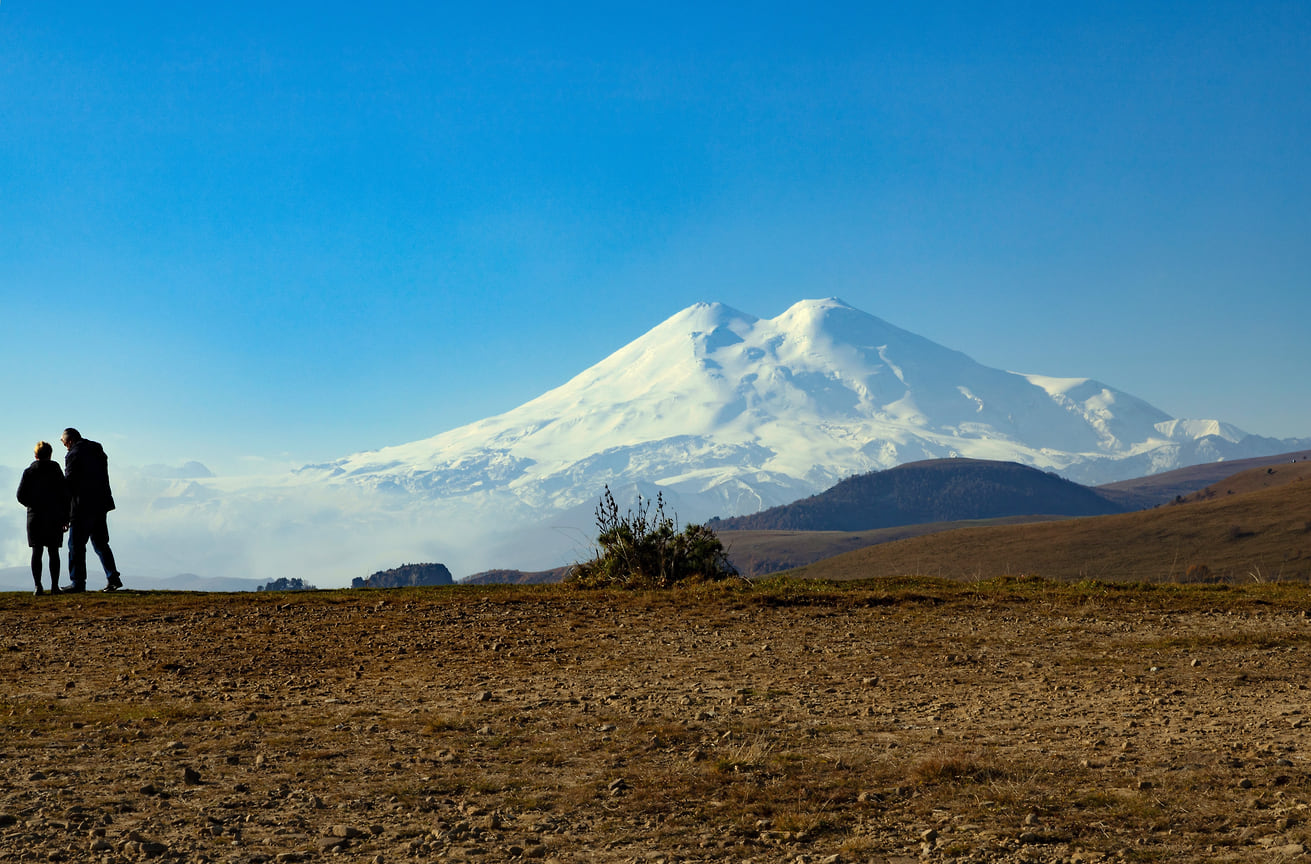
[45, 495]
[86, 467]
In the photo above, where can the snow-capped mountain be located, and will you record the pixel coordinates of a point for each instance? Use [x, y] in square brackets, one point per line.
[728, 414]
[723, 412]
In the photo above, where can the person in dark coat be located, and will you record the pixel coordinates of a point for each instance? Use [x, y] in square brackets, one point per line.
[86, 468]
[44, 493]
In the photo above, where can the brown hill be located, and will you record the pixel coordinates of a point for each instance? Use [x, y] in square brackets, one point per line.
[1257, 536]
[933, 490]
[1155, 489]
[518, 577]
[758, 553]
[1253, 480]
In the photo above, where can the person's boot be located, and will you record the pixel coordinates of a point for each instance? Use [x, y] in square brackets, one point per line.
[54, 588]
[114, 583]
[39, 590]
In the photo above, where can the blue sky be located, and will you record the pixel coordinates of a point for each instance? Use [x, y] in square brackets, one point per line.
[260, 235]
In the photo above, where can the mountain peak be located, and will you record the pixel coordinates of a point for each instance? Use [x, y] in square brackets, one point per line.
[705, 315]
[819, 305]
[727, 414]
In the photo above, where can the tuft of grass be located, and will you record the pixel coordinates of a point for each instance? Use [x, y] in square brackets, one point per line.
[958, 767]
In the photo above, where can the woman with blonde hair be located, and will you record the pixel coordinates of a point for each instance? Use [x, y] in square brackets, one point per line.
[44, 492]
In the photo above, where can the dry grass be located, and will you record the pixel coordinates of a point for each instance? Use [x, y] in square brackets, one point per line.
[997, 720]
[1242, 538]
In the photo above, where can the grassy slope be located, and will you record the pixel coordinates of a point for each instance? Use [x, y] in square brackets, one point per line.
[1154, 489]
[1253, 536]
[756, 553]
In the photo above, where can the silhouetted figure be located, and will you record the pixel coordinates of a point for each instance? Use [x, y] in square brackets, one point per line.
[44, 493]
[86, 468]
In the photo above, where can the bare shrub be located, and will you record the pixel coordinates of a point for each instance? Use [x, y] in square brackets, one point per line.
[644, 549]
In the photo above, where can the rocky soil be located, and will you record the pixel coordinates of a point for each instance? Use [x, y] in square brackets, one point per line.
[1012, 721]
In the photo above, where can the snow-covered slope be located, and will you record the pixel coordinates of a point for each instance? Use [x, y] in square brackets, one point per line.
[729, 413]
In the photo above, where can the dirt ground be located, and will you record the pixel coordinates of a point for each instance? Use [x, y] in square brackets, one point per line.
[1012, 721]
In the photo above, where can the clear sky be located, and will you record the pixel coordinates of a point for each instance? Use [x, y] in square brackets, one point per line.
[260, 235]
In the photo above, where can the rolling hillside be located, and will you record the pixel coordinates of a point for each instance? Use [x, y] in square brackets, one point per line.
[936, 490]
[759, 553]
[946, 486]
[1260, 535]
[1155, 489]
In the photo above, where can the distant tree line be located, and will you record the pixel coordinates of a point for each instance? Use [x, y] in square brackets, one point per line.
[407, 576]
[285, 584]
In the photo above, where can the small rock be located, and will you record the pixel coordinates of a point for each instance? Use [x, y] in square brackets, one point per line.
[190, 776]
[483, 696]
[346, 831]
[1245, 783]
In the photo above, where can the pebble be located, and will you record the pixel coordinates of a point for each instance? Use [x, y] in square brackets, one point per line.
[347, 831]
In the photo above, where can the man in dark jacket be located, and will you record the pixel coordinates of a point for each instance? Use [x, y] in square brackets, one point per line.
[86, 468]
[44, 493]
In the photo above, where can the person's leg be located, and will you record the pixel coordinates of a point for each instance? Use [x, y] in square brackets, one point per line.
[77, 537]
[54, 569]
[100, 543]
[36, 568]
